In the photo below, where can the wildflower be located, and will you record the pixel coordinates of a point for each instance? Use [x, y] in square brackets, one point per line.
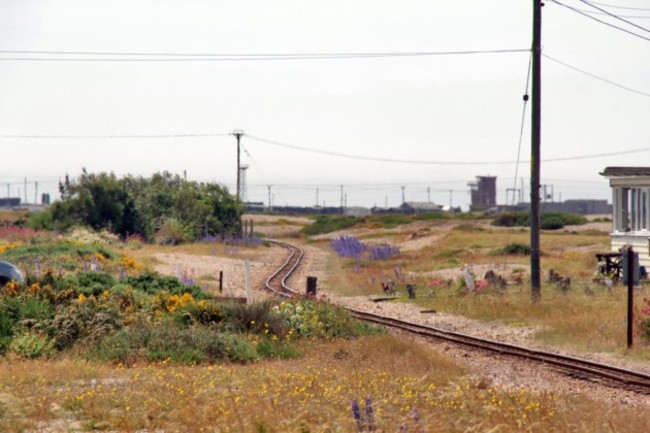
[356, 414]
[370, 414]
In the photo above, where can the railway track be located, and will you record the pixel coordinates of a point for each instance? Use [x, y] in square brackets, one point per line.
[277, 282]
[575, 367]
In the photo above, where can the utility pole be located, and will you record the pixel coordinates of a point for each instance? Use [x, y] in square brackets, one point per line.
[451, 196]
[429, 194]
[341, 198]
[269, 187]
[25, 190]
[36, 192]
[535, 153]
[238, 133]
[316, 197]
[403, 195]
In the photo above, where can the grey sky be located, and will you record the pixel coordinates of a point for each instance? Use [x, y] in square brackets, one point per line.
[429, 108]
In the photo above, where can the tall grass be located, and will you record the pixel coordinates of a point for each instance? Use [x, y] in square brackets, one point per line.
[412, 388]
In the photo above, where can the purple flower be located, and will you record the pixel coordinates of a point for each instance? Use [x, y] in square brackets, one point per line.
[370, 414]
[356, 414]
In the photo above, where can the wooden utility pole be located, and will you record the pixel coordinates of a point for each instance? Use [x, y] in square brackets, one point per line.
[535, 282]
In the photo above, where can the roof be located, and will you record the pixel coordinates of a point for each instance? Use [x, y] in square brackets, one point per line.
[625, 171]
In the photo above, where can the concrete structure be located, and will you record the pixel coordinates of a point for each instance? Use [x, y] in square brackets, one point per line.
[631, 209]
[484, 192]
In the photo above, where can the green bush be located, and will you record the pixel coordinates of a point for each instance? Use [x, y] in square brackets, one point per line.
[516, 249]
[157, 341]
[548, 220]
[30, 345]
[152, 283]
[552, 222]
[329, 223]
[94, 282]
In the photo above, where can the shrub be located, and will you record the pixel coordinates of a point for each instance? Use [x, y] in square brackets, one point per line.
[30, 345]
[145, 340]
[152, 282]
[348, 246]
[516, 249]
[552, 222]
[258, 317]
[327, 224]
[383, 252]
[94, 282]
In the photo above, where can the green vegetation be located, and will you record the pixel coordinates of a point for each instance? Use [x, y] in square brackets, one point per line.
[549, 220]
[106, 306]
[331, 223]
[165, 207]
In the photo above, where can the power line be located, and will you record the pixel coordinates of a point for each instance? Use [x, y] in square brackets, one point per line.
[614, 15]
[424, 162]
[629, 89]
[621, 7]
[205, 57]
[599, 20]
[641, 17]
[97, 137]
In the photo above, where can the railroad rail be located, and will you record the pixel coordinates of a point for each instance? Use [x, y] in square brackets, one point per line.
[575, 367]
[277, 282]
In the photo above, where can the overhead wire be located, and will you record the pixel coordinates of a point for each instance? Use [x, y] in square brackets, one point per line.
[206, 57]
[621, 7]
[429, 162]
[605, 11]
[112, 136]
[599, 20]
[605, 80]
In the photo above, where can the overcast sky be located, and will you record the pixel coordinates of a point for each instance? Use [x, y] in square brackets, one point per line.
[440, 109]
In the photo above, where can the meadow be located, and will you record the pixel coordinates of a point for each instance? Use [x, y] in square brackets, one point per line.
[297, 367]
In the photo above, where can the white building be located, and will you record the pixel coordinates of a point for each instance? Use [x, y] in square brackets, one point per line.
[631, 205]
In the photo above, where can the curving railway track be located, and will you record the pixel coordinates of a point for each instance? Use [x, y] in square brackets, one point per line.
[575, 367]
[277, 281]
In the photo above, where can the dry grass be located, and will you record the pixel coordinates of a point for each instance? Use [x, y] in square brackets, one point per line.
[587, 318]
[308, 395]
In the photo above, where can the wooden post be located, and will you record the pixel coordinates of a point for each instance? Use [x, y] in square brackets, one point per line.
[630, 297]
[220, 281]
[312, 283]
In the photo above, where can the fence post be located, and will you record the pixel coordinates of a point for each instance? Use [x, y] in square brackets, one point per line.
[630, 297]
[312, 282]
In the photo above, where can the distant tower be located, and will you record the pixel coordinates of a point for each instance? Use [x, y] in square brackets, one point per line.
[484, 192]
[242, 181]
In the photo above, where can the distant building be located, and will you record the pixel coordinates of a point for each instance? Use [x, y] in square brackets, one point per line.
[411, 207]
[631, 209]
[10, 202]
[356, 211]
[484, 192]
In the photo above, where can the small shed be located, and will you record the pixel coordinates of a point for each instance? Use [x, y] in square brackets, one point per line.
[631, 209]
